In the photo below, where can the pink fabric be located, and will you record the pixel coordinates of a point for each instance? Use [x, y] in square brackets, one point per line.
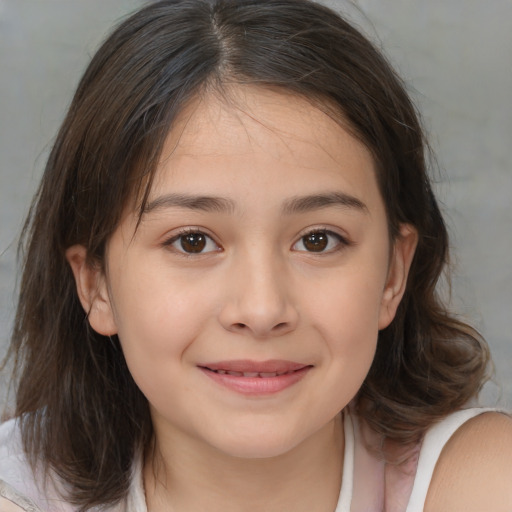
[383, 487]
[379, 486]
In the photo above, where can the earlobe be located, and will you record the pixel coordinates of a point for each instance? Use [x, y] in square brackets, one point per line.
[400, 263]
[92, 291]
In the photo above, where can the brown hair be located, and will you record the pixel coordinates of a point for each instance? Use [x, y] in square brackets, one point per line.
[79, 409]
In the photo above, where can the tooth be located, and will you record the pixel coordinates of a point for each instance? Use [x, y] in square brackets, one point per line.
[235, 374]
[250, 374]
[267, 375]
[222, 372]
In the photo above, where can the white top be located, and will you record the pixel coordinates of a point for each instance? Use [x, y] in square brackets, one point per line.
[393, 488]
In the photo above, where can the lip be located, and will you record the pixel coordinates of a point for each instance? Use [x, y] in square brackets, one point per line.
[256, 377]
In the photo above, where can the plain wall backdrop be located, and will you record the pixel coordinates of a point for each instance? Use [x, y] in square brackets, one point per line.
[456, 57]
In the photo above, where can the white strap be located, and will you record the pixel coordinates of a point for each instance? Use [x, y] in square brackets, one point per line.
[432, 446]
[347, 483]
[12, 501]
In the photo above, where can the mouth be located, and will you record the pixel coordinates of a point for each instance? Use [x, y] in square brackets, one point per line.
[260, 375]
[256, 378]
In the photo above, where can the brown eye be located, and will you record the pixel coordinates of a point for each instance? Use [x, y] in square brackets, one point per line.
[192, 242]
[315, 242]
[320, 241]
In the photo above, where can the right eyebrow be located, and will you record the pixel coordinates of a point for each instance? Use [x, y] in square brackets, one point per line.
[304, 204]
[191, 202]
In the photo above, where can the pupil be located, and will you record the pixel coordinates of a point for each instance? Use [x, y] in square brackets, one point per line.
[193, 242]
[316, 242]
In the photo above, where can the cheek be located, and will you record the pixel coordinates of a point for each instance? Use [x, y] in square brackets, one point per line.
[159, 310]
[159, 316]
[349, 304]
[347, 316]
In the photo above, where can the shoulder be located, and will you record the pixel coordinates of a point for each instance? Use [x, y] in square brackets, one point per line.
[474, 470]
[22, 490]
[12, 501]
[13, 468]
[12, 457]
[9, 506]
[17, 481]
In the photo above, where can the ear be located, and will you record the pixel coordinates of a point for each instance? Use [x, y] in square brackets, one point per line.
[399, 265]
[92, 291]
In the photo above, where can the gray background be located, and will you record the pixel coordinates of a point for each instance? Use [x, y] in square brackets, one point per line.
[456, 57]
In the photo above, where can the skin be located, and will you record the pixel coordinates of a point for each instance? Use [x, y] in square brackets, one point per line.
[256, 292]
[474, 470]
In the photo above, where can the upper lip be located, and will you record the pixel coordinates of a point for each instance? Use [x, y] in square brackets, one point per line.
[249, 366]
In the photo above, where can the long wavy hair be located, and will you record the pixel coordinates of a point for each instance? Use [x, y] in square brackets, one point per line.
[79, 410]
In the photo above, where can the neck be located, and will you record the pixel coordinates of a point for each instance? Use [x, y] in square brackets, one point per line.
[179, 477]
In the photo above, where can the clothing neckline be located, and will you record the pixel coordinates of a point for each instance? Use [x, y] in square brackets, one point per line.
[136, 500]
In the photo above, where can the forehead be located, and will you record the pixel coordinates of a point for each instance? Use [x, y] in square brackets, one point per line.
[251, 135]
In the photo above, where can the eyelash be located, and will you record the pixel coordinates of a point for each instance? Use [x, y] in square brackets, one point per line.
[341, 242]
[190, 231]
[324, 236]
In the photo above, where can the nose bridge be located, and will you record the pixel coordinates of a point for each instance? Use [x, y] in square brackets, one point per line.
[259, 297]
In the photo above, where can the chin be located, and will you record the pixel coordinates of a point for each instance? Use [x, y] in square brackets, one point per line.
[259, 445]
[258, 451]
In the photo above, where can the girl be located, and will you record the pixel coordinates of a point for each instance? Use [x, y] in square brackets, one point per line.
[229, 291]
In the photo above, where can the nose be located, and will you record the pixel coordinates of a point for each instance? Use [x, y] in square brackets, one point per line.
[259, 301]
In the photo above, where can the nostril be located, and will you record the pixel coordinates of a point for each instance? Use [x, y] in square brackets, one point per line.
[239, 325]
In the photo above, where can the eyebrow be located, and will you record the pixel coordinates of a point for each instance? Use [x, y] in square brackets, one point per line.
[192, 202]
[294, 205]
[304, 204]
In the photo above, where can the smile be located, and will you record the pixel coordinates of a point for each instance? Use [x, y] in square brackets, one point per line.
[256, 378]
[261, 375]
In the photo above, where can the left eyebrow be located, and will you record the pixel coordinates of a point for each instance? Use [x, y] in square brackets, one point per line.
[191, 202]
[304, 204]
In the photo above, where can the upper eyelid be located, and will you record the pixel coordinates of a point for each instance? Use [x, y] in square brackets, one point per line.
[169, 238]
[323, 229]
[341, 242]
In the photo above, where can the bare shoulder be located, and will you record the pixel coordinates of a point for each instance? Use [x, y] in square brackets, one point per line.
[8, 506]
[474, 471]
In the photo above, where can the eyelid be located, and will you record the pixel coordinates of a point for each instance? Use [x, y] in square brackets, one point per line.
[176, 235]
[343, 240]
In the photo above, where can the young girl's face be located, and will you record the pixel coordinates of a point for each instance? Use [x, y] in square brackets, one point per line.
[248, 301]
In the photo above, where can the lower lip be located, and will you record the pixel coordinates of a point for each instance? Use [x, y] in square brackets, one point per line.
[258, 386]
